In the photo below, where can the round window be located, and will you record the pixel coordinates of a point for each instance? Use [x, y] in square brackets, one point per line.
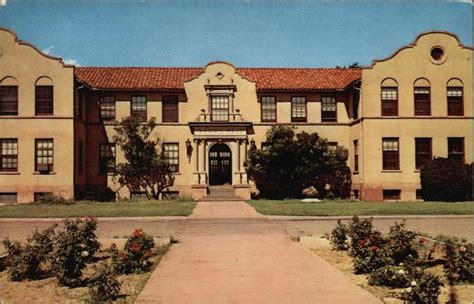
[437, 53]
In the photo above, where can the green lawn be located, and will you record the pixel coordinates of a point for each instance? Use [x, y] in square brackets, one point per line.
[97, 209]
[344, 207]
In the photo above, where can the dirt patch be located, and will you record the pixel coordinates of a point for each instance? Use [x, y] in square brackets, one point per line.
[342, 261]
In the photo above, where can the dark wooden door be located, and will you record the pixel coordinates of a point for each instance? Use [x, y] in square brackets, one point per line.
[220, 165]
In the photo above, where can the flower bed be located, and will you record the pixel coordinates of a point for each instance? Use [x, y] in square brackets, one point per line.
[403, 261]
[69, 265]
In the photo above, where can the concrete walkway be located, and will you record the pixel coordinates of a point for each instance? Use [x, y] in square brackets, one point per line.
[230, 254]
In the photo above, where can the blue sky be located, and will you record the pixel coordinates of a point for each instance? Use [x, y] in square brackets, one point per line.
[246, 33]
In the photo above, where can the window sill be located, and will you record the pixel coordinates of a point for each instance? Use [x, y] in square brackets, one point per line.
[176, 173]
[417, 171]
[355, 173]
[48, 173]
[9, 173]
[391, 171]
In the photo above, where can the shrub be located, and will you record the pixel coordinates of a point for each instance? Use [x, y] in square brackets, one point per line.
[106, 195]
[74, 247]
[370, 258]
[363, 235]
[293, 162]
[338, 238]
[423, 288]
[104, 285]
[390, 276]
[400, 244]
[459, 261]
[445, 179]
[27, 259]
[136, 255]
[52, 199]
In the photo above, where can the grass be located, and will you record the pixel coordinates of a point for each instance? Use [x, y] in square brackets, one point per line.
[97, 209]
[349, 208]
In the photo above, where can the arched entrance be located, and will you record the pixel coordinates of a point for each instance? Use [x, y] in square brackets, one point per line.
[220, 165]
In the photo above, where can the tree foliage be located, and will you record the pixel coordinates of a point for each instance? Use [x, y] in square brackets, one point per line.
[291, 162]
[445, 179]
[146, 169]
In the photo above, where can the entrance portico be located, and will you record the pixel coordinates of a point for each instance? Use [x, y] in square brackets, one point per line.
[220, 152]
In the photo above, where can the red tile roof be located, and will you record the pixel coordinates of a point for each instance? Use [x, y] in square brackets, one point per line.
[144, 78]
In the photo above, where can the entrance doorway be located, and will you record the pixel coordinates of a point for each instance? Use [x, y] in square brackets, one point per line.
[220, 165]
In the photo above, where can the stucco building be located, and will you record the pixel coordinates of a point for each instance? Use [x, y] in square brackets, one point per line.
[57, 121]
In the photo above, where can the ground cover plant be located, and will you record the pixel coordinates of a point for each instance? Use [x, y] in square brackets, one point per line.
[71, 257]
[350, 208]
[99, 209]
[403, 261]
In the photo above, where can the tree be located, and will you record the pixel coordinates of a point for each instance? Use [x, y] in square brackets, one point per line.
[145, 169]
[445, 179]
[291, 162]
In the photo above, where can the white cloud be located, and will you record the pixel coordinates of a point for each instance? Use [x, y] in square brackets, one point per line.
[3, 2]
[48, 50]
[71, 61]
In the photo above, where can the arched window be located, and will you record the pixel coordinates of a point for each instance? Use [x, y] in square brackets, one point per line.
[389, 97]
[8, 96]
[44, 96]
[454, 94]
[422, 97]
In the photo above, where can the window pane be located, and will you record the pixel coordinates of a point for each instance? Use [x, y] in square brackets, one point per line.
[268, 108]
[44, 155]
[139, 108]
[171, 155]
[422, 151]
[298, 108]
[456, 148]
[328, 109]
[389, 101]
[107, 108]
[455, 101]
[220, 108]
[170, 109]
[390, 151]
[422, 101]
[8, 100]
[44, 100]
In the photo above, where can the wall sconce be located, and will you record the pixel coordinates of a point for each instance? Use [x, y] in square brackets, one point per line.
[189, 150]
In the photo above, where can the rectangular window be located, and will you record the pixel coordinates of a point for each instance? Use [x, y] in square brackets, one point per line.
[392, 194]
[44, 155]
[139, 108]
[298, 109]
[422, 151]
[455, 101]
[391, 158]
[9, 155]
[80, 156]
[389, 101]
[106, 158]
[8, 100]
[8, 197]
[39, 195]
[268, 109]
[107, 108]
[356, 156]
[456, 148]
[138, 195]
[170, 195]
[422, 98]
[419, 194]
[220, 108]
[44, 100]
[171, 154]
[328, 109]
[170, 109]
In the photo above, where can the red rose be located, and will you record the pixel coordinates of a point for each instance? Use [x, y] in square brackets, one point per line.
[373, 248]
[362, 242]
[422, 240]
